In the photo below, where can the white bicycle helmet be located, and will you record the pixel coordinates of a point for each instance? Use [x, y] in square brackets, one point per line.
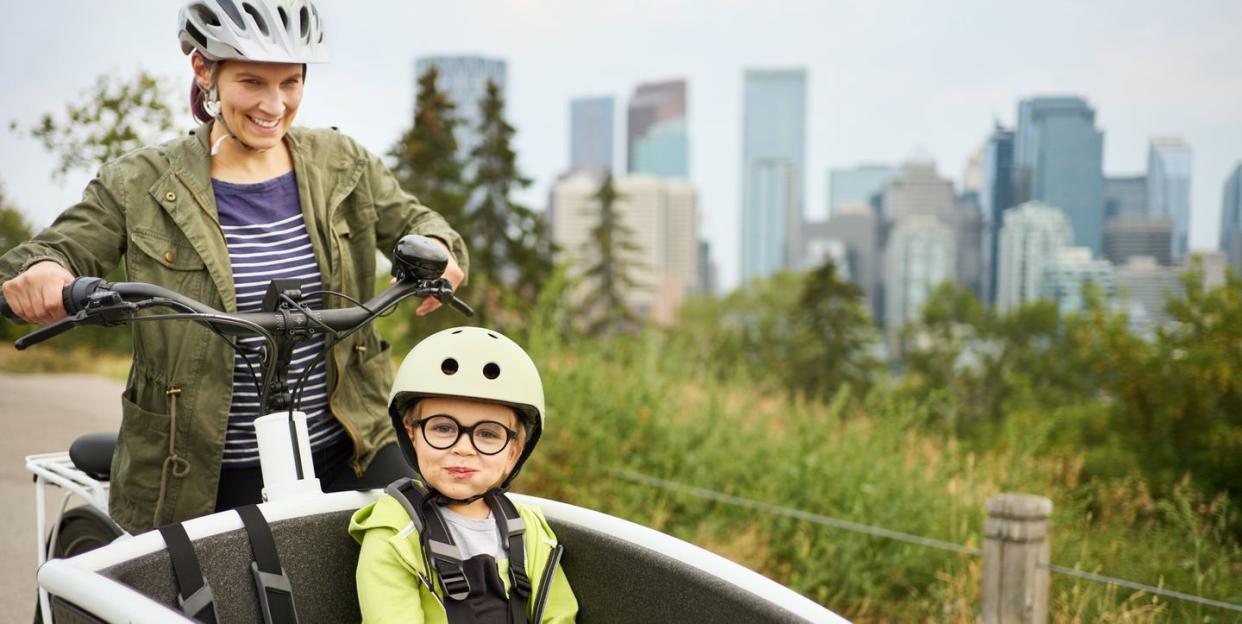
[470, 363]
[266, 31]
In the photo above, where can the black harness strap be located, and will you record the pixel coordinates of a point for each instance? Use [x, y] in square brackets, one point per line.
[513, 541]
[193, 593]
[271, 585]
[442, 554]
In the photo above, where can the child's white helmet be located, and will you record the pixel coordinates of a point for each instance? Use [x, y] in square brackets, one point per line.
[469, 363]
[265, 31]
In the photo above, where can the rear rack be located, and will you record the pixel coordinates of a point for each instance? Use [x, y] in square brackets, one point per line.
[57, 469]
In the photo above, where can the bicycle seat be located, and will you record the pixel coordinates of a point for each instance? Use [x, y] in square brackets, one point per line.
[92, 454]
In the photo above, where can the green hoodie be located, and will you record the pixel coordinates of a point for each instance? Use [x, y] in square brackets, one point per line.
[391, 569]
[154, 208]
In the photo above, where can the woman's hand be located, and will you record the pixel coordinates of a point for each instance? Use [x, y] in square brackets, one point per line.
[452, 273]
[36, 294]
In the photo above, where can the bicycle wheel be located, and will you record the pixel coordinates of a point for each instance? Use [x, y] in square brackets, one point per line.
[82, 529]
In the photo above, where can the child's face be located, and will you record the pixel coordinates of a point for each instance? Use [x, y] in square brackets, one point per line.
[461, 471]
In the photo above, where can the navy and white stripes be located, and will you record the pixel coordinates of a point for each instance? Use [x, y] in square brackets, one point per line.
[267, 240]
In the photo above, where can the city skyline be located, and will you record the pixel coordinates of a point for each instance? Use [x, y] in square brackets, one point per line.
[870, 100]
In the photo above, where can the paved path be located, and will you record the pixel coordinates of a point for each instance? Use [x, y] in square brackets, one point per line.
[39, 414]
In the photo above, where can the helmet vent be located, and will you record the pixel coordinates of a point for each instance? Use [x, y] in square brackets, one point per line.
[205, 15]
[449, 366]
[491, 370]
[258, 19]
[457, 331]
[284, 17]
[230, 9]
[198, 36]
[492, 335]
[304, 22]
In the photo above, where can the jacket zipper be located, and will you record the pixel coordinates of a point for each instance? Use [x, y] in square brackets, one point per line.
[545, 583]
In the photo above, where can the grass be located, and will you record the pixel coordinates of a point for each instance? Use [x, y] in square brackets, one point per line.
[639, 406]
[59, 359]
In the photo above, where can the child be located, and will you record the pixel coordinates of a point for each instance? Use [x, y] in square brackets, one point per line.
[467, 406]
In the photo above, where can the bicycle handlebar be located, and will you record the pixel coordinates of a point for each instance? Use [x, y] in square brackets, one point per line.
[90, 300]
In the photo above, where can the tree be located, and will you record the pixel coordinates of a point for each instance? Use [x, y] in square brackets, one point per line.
[116, 116]
[14, 229]
[609, 247]
[808, 333]
[510, 245]
[425, 160]
[838, 334]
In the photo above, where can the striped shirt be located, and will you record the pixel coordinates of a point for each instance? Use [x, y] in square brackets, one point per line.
[267, 240]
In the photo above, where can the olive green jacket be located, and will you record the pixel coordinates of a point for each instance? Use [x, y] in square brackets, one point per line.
[155, 208]
[393, 579]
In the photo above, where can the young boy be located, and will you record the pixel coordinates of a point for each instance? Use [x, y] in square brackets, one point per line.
[467, 406]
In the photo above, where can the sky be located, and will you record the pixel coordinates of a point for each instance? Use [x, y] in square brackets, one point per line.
[888, 80]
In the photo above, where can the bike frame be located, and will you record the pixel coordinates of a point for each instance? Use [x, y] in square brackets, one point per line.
[57, 469]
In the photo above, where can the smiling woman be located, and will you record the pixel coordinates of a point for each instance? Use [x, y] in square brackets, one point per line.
[246, 199]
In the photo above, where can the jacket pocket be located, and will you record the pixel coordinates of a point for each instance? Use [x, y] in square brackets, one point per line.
[166, 259]
[164, 251]
[366, 380]
[142, 445]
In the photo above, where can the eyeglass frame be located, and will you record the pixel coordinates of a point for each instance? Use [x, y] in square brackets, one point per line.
[421, 423]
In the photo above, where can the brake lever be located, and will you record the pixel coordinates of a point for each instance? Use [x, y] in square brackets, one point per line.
[458, 304]
[442, 290]
[48, 332]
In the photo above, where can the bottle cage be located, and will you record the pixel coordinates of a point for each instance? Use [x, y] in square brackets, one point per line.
[443, 555]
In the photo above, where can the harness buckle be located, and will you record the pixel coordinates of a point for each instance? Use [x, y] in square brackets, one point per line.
[271, 587]
[456, 585]
[194, 604]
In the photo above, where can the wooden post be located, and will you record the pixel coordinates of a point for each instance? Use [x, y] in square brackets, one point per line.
[1015, 559]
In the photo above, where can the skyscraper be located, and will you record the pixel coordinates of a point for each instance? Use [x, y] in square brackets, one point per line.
[464, 79]
[1146, 287]
[1125, 197]
[773, 166]
[1168, 188]
[1071, 270]
[590, 134]
[656, 131]
[920, 255]
[1029, 239]
[1127, 237]
[663, 218]
[918, 189]
[1058, 155]
[856, 184]
[856, 226]
[995, 195]
[1231, 219]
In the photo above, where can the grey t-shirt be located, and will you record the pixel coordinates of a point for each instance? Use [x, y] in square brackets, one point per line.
[474, 536]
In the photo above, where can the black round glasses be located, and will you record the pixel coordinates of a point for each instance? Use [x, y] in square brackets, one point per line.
[442, 431]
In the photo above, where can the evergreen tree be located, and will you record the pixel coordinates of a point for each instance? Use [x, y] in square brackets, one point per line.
[510, 245]
[425, 160]
[838, 335]
[608, 279]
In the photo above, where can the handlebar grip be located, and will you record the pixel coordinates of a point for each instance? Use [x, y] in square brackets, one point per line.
[7, 312]
[73, 296]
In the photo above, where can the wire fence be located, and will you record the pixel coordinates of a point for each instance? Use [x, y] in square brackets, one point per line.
[908, 538]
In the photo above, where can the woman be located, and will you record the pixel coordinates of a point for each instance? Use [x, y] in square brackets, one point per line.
[245, 199]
